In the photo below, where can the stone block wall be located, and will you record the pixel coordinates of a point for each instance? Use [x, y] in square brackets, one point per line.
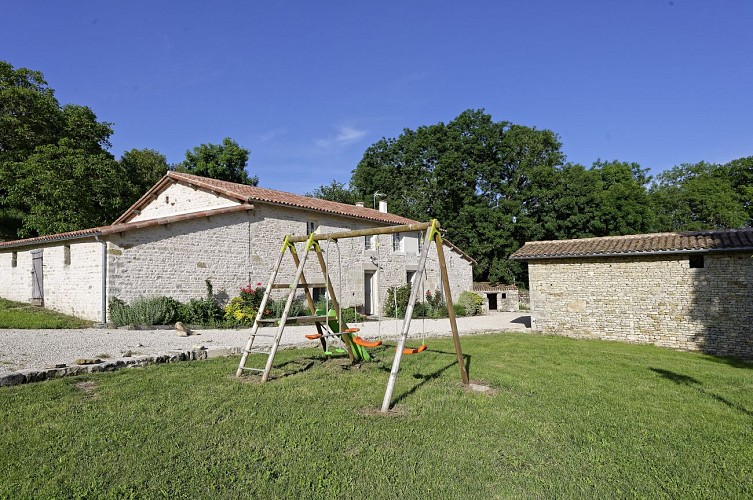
[659, 300]
[73, 288]
[233, 250]
[179, 199]
[15, 282]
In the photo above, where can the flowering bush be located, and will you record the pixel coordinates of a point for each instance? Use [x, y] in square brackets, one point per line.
[243, 309]
[238, 311]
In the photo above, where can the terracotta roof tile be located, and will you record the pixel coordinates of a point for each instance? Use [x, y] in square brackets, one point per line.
[685, 242]
[119, 228]
[244, 193]
[485, 286]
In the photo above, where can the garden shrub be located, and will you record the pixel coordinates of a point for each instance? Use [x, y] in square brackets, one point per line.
[472, 303]
[146, 311]
[459, 310]
[401, 295]
[204, 311]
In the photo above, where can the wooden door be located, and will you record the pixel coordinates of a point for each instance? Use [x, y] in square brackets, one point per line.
[37, 278]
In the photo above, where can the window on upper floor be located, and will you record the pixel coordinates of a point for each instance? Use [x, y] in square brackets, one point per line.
[397, 242]
[311, 227]
[14, 259]
[369, 243]
[66, 255]
[420, 242]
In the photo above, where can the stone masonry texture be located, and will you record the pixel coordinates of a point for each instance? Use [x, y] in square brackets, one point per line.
[231, 250]
[660, 300]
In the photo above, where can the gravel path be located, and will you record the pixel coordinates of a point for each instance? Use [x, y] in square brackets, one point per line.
[21, 349]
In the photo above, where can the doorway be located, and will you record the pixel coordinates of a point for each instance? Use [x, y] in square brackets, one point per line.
[37, 278]
[492, 298]
[369, 307]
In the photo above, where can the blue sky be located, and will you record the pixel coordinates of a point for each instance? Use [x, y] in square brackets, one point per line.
[307, 86]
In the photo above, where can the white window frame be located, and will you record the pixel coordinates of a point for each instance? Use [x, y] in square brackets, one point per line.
[398, 243]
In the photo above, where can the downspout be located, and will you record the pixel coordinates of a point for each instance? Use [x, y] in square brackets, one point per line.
[104, 279]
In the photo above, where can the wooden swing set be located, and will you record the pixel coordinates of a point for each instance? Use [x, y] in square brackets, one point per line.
[328, 322]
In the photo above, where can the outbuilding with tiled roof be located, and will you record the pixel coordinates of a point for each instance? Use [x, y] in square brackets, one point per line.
[685, 290]
[188, 229]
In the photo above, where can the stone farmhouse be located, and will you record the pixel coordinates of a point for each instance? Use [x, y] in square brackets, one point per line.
[187, 229]
[691, 290]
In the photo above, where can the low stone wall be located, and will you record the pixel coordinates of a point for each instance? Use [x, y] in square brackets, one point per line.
[660, 300]
[38, 375]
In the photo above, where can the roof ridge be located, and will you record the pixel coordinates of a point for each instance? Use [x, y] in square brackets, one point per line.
[716, 240]
[703, 232]
[268, 195]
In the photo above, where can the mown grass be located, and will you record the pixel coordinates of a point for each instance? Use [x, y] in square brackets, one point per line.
[567, 418]
[23, 316]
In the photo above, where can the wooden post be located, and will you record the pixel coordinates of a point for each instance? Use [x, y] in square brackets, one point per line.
[450, 309]
[335, 304]
[309, 298]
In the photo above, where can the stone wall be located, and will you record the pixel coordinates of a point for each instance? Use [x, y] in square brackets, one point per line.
[72, 288]
[15, 281]
[179, 199]
[230, 250]
[654, 299]
[233, 250]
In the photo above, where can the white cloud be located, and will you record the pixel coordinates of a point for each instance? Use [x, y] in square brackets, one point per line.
[345, 135]
[271, 135]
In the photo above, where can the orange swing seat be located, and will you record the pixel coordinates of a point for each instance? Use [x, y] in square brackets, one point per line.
[415, 350]
[365, 343]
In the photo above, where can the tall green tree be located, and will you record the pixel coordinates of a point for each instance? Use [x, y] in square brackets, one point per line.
[143, 168]
[697, 196]
[226, 162]
[29, 117]
[55, 171]
[624, 205]
[741, 176]
[473, 174]
[336, 191]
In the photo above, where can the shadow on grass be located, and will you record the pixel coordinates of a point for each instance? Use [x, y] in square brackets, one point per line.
[424, 379]
[296, 366]
[733, 362]
[688, 381]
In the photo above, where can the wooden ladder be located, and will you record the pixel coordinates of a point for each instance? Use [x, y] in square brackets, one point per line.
[299, 281]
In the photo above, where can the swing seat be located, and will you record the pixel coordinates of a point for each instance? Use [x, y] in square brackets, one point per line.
[411, 350]
[352, 330]
[365, 343]
[314, 336]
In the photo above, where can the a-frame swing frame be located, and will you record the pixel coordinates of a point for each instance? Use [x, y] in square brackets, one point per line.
[432, 235]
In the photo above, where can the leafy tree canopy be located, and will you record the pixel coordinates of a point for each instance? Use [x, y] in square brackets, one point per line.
[226, 162]
[55, 172]
[701, 196]
[473, 174]
[143, 167]
[336, 191]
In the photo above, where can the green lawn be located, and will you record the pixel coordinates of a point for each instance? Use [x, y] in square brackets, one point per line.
[20, 315]
[569, 418]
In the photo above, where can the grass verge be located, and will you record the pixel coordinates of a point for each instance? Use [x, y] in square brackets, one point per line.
[566, 418]
[25, 316]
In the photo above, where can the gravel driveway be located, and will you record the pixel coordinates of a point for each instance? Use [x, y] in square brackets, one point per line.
[21, 349]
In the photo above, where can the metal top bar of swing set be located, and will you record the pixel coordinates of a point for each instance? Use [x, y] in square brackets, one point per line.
[406, 228]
